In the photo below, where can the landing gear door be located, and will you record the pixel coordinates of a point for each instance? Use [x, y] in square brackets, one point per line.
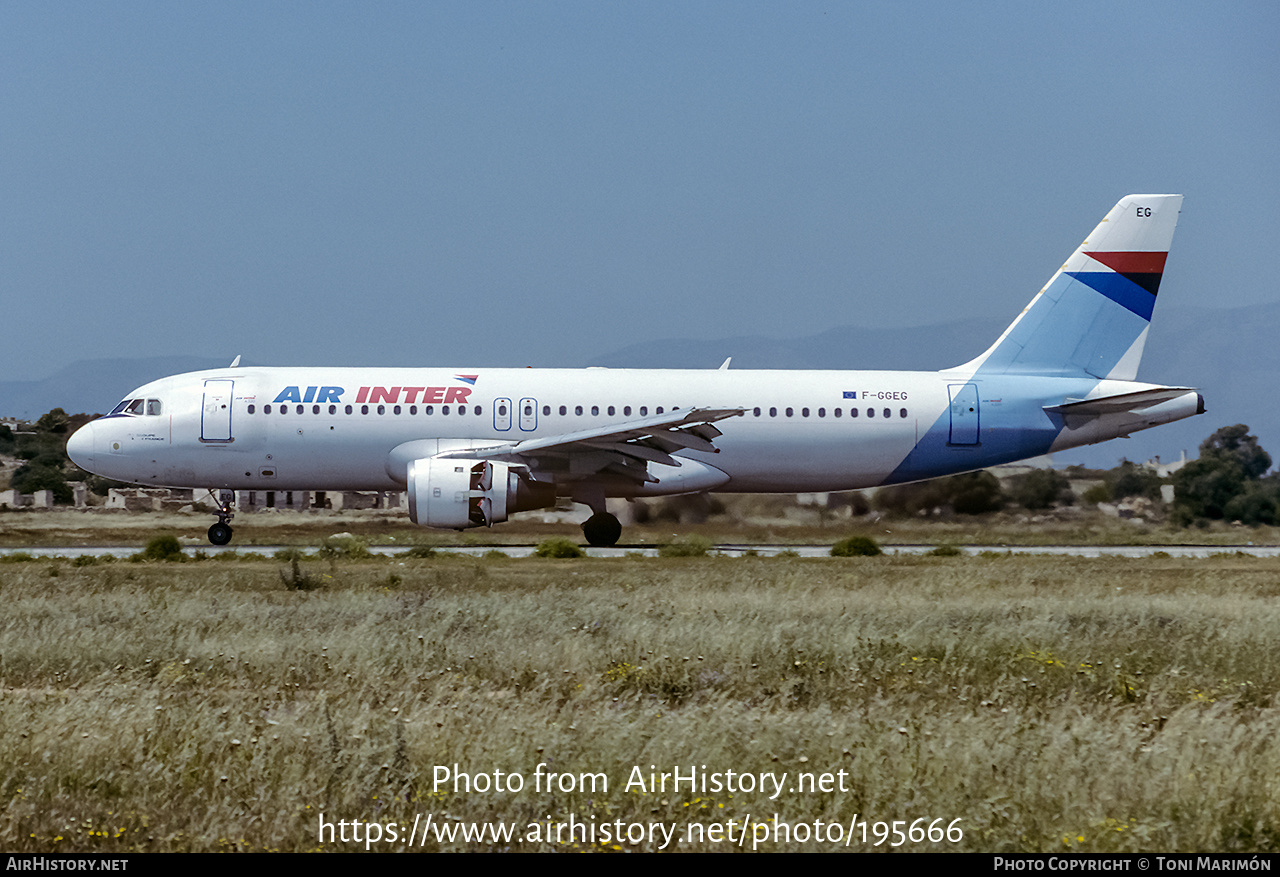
[964, 414]
[215, 415]
[528, 414]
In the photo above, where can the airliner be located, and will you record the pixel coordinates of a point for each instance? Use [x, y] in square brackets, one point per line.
[472, 446]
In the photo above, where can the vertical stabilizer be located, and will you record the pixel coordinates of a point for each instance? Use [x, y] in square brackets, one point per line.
[1092, 317]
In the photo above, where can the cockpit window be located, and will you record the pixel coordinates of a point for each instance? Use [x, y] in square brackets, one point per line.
[139, 407]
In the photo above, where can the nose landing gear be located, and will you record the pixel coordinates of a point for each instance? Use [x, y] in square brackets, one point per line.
[220, 533]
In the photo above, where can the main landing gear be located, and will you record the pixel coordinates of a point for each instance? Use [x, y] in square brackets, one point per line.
[602, 530]
[220, 533]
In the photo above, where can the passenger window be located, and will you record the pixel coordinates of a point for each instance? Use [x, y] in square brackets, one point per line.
[644, 409]
[478, 411]
[462, 409]
[578, 410]
[853, 412]
[611, 409]
[430, 409]
[413, 409]
[888, 413]
[348, 409]
[902, 413]
[773, 412]
[871, 412]
[315, 409]
[333, 409]
[790, 411]
[250, 409]
[546, 410]
[822, 412]
[595, 410]
[836, 412]
[562, 411]
[658, 410]
[626, 411]
[444, 409]
[804, 412]
[382, 409]
[757, 412]
[364, 409]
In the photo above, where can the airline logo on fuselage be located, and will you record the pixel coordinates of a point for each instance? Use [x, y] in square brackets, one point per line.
[393, 395]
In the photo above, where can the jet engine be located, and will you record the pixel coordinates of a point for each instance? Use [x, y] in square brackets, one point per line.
[458, 493]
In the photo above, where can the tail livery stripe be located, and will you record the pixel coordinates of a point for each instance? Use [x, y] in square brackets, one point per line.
[1132, 282]
[1132, 263]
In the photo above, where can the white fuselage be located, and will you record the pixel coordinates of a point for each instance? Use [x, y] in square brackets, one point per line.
[339, 428]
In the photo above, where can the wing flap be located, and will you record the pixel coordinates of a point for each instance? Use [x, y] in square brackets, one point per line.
[619, 448]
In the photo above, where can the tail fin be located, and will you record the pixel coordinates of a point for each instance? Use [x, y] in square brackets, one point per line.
[1092, 317]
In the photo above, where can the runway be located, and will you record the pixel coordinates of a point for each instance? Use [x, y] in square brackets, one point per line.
[725, 550]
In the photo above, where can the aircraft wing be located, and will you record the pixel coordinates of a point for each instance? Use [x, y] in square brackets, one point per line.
[618, 448]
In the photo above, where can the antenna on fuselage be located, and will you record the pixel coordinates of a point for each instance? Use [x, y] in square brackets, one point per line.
[235, 362]
[724, 366]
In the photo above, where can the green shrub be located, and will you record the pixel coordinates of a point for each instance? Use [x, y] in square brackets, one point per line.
[945, 550]
[419, 551]
[856, 546]
[1041, 489]
[688, 546]
[1098, 493]
[163, 548]
[558, 548]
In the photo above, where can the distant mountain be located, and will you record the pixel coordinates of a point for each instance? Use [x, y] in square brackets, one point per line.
[92, 386]
[1229, 354]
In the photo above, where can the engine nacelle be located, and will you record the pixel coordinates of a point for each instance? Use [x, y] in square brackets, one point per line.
[456, 494]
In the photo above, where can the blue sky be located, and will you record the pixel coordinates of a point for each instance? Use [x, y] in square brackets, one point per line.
[540, 183]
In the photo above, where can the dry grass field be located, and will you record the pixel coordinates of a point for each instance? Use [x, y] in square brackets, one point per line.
[1048, 704]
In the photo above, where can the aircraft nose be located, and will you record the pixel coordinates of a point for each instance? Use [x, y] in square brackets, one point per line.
[80, 447]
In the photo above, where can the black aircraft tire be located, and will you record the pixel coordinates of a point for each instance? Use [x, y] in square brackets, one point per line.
[220, 534]
[602, 530]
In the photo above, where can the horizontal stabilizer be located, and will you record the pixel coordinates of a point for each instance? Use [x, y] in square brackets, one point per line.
[1076, 413]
